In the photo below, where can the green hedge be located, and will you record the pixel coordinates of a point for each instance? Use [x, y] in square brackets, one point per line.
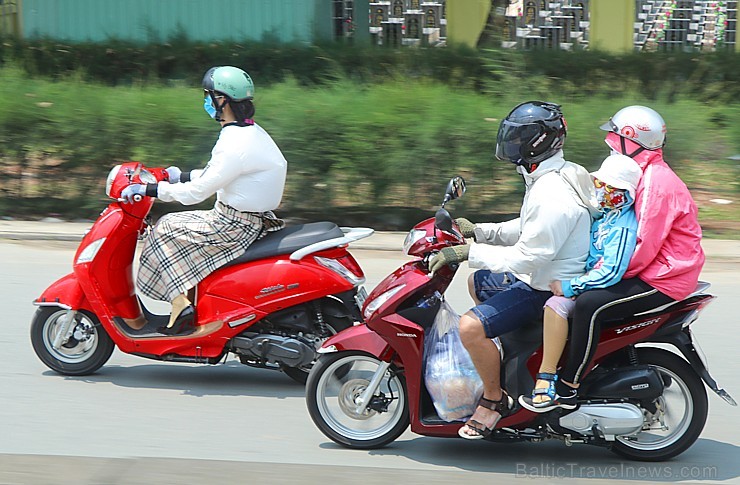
[705, 76]
[370, 134]
[179, 60]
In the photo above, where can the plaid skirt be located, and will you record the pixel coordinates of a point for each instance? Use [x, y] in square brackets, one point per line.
[185, 247]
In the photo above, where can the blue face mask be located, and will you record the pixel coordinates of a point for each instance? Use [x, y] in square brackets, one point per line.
[208, 106]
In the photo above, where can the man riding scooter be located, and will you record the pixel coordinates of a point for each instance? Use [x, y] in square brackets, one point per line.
[550, 240]
[246, 172]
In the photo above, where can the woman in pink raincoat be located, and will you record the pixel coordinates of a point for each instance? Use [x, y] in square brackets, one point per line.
[668, 257]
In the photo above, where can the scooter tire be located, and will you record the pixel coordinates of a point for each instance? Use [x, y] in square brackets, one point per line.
[69, 364]
[677, 375]
[338, 366]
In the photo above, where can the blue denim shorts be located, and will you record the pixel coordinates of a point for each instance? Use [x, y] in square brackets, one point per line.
[507, 303]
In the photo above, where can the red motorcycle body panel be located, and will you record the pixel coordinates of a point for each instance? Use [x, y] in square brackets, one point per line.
[272, 284]
[434, 240]
[416, 280]
[360, 337]
[107, 280]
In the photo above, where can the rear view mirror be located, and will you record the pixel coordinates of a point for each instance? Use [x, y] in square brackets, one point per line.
[455, 189]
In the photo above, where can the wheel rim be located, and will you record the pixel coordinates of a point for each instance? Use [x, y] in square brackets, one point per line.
[338, 389]
[678, 409]
[80, 346]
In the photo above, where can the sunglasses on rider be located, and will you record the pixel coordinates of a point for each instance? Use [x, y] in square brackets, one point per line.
[215, 94]
[607, 188]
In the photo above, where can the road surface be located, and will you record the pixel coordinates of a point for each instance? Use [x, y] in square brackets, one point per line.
[143, 421]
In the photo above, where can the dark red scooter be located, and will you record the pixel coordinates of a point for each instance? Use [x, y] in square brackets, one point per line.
[643, 403]
[272, 307]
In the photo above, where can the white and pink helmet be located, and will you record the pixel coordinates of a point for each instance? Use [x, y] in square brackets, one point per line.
[639, 124]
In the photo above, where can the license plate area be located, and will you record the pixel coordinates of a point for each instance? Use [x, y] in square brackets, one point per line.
[360, 297]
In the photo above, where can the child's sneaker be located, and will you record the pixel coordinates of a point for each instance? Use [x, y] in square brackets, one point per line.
[558, 395]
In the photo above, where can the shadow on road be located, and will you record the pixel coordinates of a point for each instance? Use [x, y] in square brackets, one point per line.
[229, 379]
[552, 459]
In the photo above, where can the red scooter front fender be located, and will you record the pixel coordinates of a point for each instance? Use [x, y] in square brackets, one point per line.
[359, 338]
[65, 292]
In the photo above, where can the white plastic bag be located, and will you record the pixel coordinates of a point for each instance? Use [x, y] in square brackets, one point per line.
[449, 374]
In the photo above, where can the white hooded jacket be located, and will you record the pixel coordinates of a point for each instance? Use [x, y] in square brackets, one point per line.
[550, 239]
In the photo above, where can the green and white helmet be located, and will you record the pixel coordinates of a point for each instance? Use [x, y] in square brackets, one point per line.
[230, 81]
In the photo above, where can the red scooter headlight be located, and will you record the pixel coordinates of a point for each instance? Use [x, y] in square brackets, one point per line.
[375, 304]
[409, 244]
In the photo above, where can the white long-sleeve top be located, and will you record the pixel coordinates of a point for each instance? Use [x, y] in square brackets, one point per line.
[550, 240]
[246, 171]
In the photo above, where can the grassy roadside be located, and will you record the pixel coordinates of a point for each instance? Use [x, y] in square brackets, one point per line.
[353, 149]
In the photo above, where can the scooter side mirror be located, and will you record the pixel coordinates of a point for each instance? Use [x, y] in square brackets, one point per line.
[455, 189]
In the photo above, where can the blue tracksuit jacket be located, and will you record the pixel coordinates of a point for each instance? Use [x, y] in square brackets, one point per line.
[613, 240]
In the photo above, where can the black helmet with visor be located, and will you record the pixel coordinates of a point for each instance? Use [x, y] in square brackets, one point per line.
[532, 132]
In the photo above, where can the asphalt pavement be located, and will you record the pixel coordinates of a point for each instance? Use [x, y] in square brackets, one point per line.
[139, 421]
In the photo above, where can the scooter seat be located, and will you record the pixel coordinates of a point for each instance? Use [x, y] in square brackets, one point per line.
[288, 240]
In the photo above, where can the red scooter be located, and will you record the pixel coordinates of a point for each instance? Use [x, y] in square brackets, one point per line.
[643, 403]
[272, 307]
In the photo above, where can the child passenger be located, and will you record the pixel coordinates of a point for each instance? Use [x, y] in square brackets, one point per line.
[613, 240]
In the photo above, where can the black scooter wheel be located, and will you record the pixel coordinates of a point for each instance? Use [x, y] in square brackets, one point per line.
[683, 409]
[87, 349]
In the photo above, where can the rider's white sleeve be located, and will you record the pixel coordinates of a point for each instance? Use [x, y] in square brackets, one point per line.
[194, 174]
[225, 166]
[500, 233]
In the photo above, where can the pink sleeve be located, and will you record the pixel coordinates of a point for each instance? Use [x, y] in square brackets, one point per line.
[655, 215]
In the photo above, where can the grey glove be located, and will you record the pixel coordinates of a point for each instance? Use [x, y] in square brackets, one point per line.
[133, 193]
[173, 174]
[467, 228]
[452, 254]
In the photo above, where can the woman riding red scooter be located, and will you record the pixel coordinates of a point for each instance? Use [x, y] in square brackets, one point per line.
[271, 298]
[247, 174]
[272, 306]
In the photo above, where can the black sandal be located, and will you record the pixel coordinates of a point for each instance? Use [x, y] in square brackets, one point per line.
[503, 407]
[183, 323]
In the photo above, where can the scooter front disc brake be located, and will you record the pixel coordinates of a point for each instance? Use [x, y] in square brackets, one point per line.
[349, 397]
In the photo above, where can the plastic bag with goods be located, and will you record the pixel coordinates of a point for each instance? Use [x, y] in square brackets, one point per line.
[449, 374]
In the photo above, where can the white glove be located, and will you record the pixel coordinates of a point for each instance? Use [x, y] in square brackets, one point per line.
[173, 174]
